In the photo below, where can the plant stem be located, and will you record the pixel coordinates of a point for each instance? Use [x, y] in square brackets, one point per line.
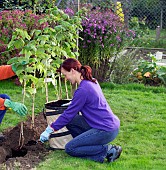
[21, 140]
[33, 104]
[67, 94]
[46, 86]
[60, 88]
[33, 110]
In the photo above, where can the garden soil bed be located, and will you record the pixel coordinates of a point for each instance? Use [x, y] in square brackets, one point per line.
[31, 153]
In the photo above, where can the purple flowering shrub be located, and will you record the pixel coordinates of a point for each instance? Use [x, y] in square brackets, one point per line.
[9, 21]
[102, 28]
[69, 11]
[103, 36]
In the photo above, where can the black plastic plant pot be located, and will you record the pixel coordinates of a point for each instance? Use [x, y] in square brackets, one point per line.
[57, 105]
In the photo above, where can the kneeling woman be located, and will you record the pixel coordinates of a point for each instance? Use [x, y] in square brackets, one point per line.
[96, 126]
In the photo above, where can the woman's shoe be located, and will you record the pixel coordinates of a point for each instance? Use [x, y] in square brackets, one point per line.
[113, 153]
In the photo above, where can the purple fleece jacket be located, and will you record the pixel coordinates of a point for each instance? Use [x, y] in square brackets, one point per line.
[90, 101]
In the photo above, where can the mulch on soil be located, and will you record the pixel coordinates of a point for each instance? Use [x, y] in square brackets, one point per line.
[34, 152]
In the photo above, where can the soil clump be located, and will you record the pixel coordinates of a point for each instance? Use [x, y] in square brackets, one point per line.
[31, 153]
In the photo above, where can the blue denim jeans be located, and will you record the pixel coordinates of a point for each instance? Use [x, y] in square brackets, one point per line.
[2, 112]
[87, 142]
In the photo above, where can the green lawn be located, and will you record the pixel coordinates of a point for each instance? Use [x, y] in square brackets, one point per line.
[142, 111]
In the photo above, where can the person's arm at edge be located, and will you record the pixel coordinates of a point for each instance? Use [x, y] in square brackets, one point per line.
[2, 107]
[6, 72]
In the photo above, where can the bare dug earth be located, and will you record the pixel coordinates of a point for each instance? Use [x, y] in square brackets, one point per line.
[31, 153]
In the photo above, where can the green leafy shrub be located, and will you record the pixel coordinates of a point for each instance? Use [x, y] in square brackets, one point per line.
[139, 27]
[124, 63]
[144, 37]
[9, 21]
[149, 73]
[43, 49]
[37, 6]
[43, 52]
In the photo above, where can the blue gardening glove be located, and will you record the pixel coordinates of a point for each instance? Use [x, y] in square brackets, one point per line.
[46, 134]
[19, 108]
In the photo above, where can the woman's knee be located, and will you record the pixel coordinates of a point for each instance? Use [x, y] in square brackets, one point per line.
[68, 148]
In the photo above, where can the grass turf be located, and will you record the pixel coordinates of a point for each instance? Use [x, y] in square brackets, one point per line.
[142, 111]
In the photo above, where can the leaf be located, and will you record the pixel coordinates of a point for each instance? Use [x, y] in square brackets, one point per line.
[40, 51]
[77, 53]
[43, 20]
[33, 47]
[42, 42]
[19, 43]
[12, 60]
[32, 60]
[30, 69]
[10, 45]
[23, 60]
[64, 53]
[33, 78]
[31, 90]
[58, 28]
[26, 52]
[72, 54]
[23, 33]
[59, 37]
[43, 37]
[40, 67]
[53, 54]
[67, 44]
[37, 32]
[19, 71]
[27, 95]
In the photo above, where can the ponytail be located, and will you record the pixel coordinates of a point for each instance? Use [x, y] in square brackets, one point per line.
[86, 73]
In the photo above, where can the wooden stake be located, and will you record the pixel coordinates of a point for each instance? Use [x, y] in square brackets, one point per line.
[67, 94]
[21, 139]
[60, 88]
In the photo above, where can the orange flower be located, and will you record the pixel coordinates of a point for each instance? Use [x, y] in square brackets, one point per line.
[147, 74]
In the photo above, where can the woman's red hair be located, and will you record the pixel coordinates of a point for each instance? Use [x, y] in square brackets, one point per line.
[71, 63]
